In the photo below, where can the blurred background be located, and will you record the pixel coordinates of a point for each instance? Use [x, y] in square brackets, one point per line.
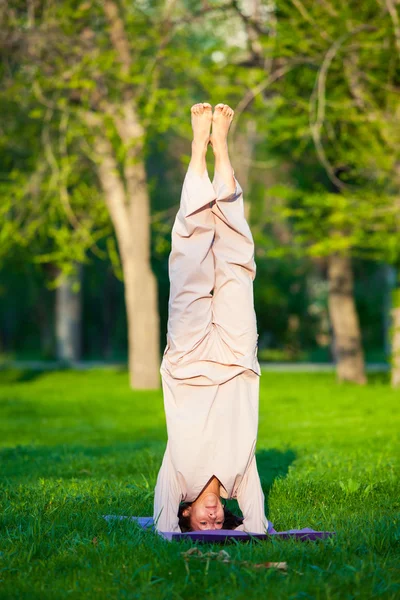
[94, 144]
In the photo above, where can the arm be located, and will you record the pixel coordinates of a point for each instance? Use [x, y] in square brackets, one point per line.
[250, 498]
[167, 495]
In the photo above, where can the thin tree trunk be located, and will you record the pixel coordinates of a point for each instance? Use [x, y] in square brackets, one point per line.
[68, 316]
[317, 291]
[243, 150]
[395, 313]
[128, 201]
[108, 312]
[389, 275]
[46, 325]
[128, 206]
[145, 351]
[345, 324]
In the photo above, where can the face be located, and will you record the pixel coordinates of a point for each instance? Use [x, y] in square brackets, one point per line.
[206, 512]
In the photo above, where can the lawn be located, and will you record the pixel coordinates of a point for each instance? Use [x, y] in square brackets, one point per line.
[78, 445]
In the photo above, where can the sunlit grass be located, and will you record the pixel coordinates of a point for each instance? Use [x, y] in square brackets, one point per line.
[78, 445]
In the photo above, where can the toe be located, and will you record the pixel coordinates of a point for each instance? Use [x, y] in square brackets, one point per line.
[219, 106]
[206, 105]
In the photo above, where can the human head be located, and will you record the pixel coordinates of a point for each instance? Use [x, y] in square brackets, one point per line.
[193, 516]
[206, 512]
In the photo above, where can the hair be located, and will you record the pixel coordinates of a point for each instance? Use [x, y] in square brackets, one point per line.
[231, 521]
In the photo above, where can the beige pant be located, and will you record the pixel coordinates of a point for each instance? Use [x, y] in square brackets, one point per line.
[211, 268]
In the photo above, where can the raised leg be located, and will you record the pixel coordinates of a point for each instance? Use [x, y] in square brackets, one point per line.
[191, 262]
[233, 249]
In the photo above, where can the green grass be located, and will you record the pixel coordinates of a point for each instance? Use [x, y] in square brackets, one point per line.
[78, 445]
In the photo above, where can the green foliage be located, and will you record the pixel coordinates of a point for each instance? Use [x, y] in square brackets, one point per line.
[63, 64]
[314, 75]
[53, 210]
[332, 123]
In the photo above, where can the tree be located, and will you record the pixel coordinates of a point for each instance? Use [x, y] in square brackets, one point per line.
[87, 72]
[330, 94]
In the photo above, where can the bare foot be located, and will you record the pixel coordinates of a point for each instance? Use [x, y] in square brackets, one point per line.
[221, 122]
[201, 123]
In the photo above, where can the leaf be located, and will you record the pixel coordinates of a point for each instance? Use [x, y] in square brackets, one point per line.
[350, 487]
[281, 566]
[224, 557]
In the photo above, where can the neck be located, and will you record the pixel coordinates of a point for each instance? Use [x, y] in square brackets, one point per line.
[213, 487]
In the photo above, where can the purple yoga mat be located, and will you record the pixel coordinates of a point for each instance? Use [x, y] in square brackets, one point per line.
[222, 535]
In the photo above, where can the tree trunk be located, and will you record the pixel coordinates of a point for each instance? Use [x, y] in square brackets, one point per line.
[108, 312]
[242, 153]
[129, 207]
[395, 313]
[143, 324]
[389, 275]
[318, 294]
[346, 328]
[128, 201]
[44, 314]
[69, 317]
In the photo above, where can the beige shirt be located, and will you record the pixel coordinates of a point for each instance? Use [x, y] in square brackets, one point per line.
[210, 372]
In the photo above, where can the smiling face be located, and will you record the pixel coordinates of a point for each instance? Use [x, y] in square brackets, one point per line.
[206, 512]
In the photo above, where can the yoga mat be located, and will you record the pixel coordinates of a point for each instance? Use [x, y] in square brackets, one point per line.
[222, 535]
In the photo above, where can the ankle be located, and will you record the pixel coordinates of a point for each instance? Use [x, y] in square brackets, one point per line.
[220, 146]
[200, 145]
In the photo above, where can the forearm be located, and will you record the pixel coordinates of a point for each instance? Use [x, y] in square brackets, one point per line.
[167, 495]
[251, 500]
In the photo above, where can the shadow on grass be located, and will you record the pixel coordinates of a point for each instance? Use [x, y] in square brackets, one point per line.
[22, 375]
[271, 464]
[123, 460]
[381, 378]
[13, 375]
[71, 461]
